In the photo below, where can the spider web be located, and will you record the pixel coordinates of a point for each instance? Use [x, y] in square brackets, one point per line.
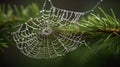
[38, 38]
[43, 37]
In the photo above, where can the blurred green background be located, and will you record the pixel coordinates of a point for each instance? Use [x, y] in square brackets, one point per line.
[12, 57]
[78, 5]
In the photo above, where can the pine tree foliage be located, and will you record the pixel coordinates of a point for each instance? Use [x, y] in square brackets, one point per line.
[12, 15]
[102, 31]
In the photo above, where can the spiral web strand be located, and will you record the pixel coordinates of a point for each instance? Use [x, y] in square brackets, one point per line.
[42, 37]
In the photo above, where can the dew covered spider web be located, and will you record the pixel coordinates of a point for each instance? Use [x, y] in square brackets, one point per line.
[48, 36]
[43, 39]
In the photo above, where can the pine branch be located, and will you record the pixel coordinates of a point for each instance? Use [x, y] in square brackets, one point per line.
[104, 29]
